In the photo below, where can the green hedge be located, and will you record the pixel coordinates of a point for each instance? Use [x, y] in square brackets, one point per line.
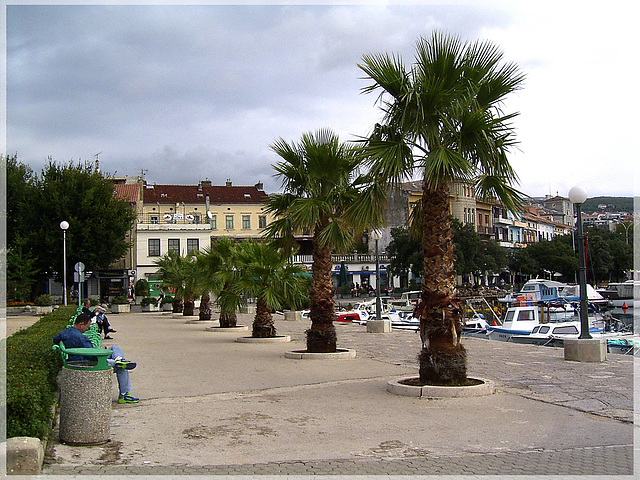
[32, 367]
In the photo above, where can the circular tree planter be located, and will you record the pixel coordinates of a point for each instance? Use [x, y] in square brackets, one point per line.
[236, 329]
[304, 355]
[409, 387]
[195, 319]
[276, 339]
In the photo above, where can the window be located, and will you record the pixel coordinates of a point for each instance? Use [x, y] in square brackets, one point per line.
[246, 222]
[193, 244]
[214, 222]
[526, 315]
[155, 219]
[154, 247]
[228, 222]
[262, 221]
[174, 245]
[566, 330]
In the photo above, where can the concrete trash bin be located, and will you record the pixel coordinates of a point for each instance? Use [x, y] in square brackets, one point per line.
[85, 400]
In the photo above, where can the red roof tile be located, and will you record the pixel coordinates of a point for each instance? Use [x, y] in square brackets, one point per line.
[126, 191]
[197, 194]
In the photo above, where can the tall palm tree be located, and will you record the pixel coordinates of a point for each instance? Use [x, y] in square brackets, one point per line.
[320, 179]
[443, 120]
[266, 274]
[218, 270]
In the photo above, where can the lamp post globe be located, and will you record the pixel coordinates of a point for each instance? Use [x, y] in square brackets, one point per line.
[577, 196]
[64, 225]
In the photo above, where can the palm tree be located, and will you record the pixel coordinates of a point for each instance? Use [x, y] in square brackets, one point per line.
[320, 180]
[218, 269]
[443, 120]
[181, 273]
[266, 274]
[169, 271]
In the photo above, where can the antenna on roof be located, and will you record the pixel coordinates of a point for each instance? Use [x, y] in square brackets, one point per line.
[97, 155]
[143, 173]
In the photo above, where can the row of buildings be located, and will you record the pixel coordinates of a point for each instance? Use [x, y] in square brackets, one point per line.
[183, 218]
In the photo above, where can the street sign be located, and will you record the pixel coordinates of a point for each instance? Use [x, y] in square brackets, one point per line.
[79, 267]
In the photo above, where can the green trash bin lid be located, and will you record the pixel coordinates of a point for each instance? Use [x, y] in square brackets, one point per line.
[95, 358]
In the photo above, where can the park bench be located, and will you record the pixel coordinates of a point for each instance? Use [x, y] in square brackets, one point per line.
[97, 357]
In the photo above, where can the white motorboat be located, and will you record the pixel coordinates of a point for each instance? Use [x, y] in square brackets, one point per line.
[540, 289]
[619, 294]
[367, 311]
[521, 320]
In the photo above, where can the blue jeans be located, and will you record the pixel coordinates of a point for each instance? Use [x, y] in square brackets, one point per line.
[124, 384]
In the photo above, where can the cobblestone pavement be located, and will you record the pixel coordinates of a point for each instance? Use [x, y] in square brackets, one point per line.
[538, 374]
[611, 460]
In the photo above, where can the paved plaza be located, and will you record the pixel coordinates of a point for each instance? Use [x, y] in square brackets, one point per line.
[212, 406]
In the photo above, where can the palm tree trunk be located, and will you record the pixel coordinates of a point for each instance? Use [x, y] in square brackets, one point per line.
[443, 358]
[228, 320]
[263, 326]
[177, 304]
[205, 307]
[188, 305]
[321, 337]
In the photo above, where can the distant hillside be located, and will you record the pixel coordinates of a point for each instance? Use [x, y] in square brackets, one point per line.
[613, 204]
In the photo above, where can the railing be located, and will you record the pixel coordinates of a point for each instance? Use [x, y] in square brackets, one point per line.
[173, 219]
[349, 258]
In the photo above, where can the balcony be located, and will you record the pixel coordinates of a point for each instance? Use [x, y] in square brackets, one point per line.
[484, 230]
[171, 221]
[349, 258]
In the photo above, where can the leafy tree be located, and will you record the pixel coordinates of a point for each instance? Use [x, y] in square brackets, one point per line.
[320, 180]
[472, 253]
[466, 247]
[77, 193]
[266, 274]
[21, 271]
[547, 256]
[608, 255]
[405, 252]
[442, 118]
[20, 192]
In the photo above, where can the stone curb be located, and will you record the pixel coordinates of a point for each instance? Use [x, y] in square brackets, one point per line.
[340, 354]
[24, 455]
[206, 322]
[278, 339]
[433, 391]
[239, 328]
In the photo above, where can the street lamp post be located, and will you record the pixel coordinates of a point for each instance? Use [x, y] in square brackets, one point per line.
[64, 225]
[577, 196]
[377, 235]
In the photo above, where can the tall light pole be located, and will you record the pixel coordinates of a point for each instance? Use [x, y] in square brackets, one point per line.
[577, 196]
[377, 235]
[64, 225]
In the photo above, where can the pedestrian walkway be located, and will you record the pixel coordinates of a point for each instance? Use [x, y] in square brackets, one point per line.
[213, 406]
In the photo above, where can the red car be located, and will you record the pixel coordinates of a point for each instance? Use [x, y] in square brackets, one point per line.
[347, 317]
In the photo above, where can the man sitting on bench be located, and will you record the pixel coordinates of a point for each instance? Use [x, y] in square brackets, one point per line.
[73, 338]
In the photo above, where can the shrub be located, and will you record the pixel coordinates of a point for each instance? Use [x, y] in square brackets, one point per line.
[166, 299]
[43, 301]
[148, 301]
[32, 367]
[142, 288]
[120, 300]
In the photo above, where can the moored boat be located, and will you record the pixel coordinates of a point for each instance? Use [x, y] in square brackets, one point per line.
[521, 320]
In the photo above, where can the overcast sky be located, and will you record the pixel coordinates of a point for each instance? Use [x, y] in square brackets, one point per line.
[193, 92]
